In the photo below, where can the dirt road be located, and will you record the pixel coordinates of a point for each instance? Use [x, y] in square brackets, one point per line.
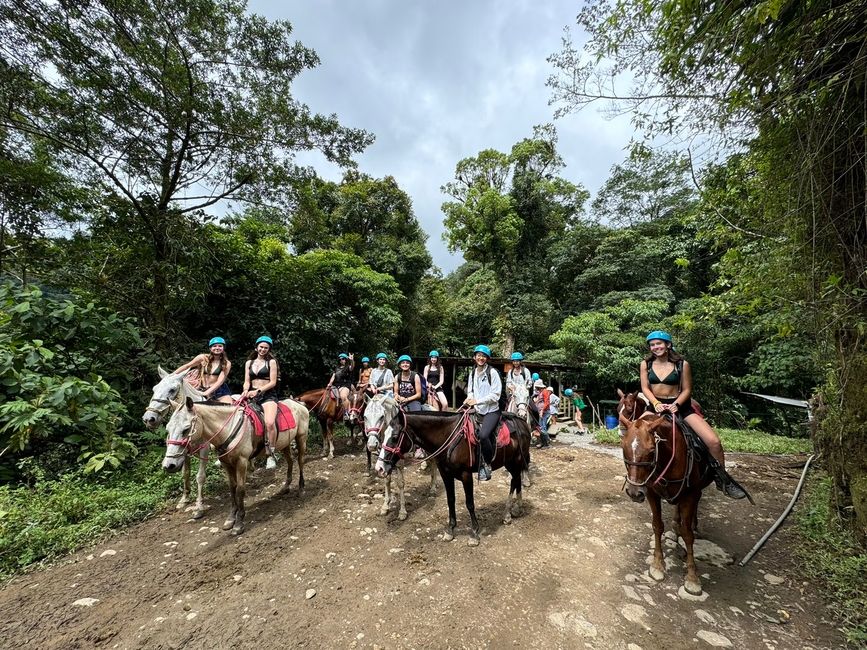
[326, 571]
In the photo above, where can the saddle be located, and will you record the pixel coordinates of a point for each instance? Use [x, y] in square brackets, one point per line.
[254, 412]
[470, 424]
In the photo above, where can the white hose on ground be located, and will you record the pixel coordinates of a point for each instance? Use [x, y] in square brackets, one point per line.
[772, 529]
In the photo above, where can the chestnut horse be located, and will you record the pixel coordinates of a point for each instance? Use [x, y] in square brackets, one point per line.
[357, 405]
[442, 438]
[328, 410]
[660, 464]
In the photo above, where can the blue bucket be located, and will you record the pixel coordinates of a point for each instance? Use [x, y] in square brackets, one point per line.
[611, 422]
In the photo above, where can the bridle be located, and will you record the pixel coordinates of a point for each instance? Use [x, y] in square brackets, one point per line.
[185, 441]
[653, 464]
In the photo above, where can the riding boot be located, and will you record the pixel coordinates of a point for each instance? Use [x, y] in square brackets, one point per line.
[727, 485]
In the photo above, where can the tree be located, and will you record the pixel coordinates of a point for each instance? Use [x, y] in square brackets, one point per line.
[165, 109]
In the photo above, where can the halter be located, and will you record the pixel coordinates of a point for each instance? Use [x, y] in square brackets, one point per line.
[194, 421]
[455, 433]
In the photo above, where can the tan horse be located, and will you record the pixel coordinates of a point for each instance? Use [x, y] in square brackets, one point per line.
[225, 426]
[327, 410]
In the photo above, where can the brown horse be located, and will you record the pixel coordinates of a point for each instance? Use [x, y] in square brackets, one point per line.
[328, 410]
[231, 432]
[441, 436]
[357, 405]
[661, 465]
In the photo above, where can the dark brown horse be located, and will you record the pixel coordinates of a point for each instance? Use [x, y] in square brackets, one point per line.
[357, 404]
[661, 465]
[441, 436]
[327, 409]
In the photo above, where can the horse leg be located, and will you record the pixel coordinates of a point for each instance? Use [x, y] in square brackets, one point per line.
[467, 480]
[287, 455]
[657, 567]
[200, 485]
[240, 493]
[449, 482]
[516, 508]
[692, 584]
[386, 501]
[230, 522]
[401, 492]
[432, 490]
[185, 496]
[301, 449]
[369, 467]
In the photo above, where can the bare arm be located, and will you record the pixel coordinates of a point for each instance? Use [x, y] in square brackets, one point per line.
[685, 385]
[196, 360]
[222, 378]
[246, 377]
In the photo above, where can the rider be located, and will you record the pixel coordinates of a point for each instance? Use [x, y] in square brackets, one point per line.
[542, 400]
[435, 376]
[518, 374]
[407, 385]
[364, 375]
[212, 370]
[381, 377]
[260, 386]
[342, 378]
[483, 392]
[578, 402]
[666, 380]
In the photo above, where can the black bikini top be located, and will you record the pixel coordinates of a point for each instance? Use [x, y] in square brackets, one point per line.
[263, 373]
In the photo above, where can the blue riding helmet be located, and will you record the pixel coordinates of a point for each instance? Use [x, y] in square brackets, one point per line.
[568, 392]
[659, 335]
[433, 353]
[484, 349]
[343, 355]
[217, 340]
[534, 376]
[404, 357]
[517, 356]
[265, 339]
[365, 359]
[382, 355]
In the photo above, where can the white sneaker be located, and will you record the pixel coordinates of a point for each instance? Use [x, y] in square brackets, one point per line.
[272, 463]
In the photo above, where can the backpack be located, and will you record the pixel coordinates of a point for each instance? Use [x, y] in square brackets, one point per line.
[423, 383]
[504, 399]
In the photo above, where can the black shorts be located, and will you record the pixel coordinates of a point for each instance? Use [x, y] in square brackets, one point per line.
[683, 410]
[267, 396]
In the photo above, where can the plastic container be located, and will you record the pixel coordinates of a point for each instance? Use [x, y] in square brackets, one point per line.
[611, 422]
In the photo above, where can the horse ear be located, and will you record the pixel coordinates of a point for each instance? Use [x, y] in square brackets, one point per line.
[162, 373]
[175, 405]
[620, 393]
[189, 403]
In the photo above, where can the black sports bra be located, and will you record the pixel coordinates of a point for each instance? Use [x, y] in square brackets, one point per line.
[672, 379]
[266, 369]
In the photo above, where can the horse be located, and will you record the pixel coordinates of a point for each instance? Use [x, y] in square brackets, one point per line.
[660, 464]
[442, 436]
[173, 387]
[519, 401]
[231, 430]
[328, 409]
[373, 418]
[357, 405]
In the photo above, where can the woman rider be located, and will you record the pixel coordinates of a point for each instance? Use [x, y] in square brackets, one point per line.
[518, 374]
[435, 376]
[260, 386]
[364, 375]
[483, 392]
[407, 385]
[381, 377]
[666, 380]
[342, 378]
[213, 368]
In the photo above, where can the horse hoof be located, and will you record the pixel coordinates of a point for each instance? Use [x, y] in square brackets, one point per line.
[237, 531]
[198, 514]
[692, 588]
[656, 574]
[229, 523]
[432, 493]
[516, 511]
[473, 541]
[507, 519]
[181, 504]
[402, 516]
[447, 537]
[383, 512]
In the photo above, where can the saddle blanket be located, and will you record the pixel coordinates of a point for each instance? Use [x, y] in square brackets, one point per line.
[285, 418]
[504, 436]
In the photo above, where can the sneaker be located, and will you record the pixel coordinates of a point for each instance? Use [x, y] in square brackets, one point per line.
[485, 472]
[734, 491]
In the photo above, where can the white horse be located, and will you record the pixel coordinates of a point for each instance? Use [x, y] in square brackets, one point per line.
[381, 408]
[173, 388]
[519, 401]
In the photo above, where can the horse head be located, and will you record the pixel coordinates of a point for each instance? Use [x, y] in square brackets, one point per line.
[378, 414]
[640, 446]
[356, 407]
[179, 433]
[519, 400]
[170, 387]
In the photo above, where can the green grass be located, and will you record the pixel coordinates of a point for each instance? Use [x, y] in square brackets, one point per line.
[59, 516]
[830, 556]
[740, 440]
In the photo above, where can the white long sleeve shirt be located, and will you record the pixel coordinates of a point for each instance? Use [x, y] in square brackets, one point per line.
[487, 395]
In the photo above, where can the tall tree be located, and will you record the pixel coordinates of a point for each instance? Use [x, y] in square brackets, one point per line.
[166, 108]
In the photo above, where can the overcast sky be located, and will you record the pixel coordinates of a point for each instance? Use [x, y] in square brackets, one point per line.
[439, 81]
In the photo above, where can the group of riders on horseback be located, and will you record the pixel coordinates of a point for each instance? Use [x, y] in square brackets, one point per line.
[666, 387]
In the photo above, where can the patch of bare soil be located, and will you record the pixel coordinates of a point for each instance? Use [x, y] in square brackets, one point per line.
[325, 570]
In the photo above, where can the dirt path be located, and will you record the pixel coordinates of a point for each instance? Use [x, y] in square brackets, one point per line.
[570, 573]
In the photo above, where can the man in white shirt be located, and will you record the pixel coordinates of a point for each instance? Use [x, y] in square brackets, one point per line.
[483, 392]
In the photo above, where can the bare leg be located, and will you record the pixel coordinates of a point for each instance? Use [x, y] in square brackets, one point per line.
[708, 436]
[657, 568]
[270, 410]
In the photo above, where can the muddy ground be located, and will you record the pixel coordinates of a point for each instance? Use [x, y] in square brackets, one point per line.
[327, 571]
